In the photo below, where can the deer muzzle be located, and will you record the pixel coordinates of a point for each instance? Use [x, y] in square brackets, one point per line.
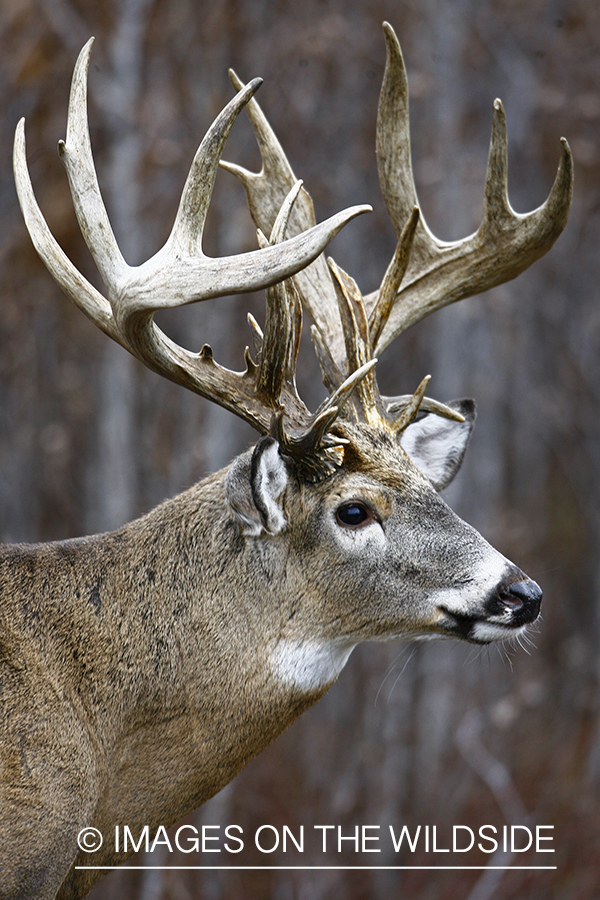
[507, 610]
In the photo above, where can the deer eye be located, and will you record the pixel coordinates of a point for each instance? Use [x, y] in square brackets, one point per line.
[353, 514]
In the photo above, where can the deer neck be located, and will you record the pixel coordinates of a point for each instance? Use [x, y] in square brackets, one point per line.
[187, 686]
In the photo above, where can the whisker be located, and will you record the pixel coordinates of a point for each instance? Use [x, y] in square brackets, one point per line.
[400, 674]
[391, 668]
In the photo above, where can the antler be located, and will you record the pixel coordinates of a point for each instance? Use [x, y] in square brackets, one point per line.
[180, 273]
[425, 273]
[505, 243]
[349, 329]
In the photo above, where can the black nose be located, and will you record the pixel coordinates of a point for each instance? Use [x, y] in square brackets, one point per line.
[523, 598]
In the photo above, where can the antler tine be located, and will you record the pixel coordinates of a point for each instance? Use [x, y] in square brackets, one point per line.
[393, 136]
[73, 283]
[76, 155]
[316, 451]
[408, 414]
[191, 215]
[357, 340]
[505, 244]
[283, 324]
[396, 406]
[392, 279]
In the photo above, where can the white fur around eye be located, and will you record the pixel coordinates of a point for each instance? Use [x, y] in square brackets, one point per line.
[359, 540]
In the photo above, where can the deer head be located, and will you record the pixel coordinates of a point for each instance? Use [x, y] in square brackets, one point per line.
[348, 329]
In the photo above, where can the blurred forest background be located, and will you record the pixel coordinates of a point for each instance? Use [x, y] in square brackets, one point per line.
[423, 734]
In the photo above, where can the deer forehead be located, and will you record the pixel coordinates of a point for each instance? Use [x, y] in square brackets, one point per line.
[379, 473]
[377, 454]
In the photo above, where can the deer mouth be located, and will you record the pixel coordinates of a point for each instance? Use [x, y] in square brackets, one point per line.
[506, 613]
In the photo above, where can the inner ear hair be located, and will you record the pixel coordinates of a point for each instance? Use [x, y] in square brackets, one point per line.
[437, 445]
[268, 480]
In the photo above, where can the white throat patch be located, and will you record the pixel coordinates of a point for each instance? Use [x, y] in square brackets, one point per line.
[310, 665]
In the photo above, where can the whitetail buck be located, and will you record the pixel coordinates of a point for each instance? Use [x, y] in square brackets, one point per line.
[140, 670]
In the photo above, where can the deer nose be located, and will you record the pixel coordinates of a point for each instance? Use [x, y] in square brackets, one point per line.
[523, 595]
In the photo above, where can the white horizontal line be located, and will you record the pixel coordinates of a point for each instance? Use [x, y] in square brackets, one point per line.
[312, 868]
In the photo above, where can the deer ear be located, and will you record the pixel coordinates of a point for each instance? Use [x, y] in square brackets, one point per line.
[437, 445]
[254, 485]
